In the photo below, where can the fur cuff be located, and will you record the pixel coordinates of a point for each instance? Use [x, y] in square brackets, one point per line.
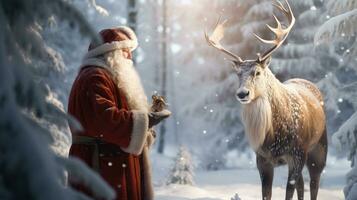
[139, 133]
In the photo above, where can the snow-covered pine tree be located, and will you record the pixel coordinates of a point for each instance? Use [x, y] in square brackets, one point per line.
[342, 25]
[350, 189]
[338, 85]
[346, 139]
[182, 170]
[29, 169]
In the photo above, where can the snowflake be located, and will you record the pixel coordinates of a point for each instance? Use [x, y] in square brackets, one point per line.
[313, 8]
[201, 61]
[160, 29]
[123, 21]
[177, 73]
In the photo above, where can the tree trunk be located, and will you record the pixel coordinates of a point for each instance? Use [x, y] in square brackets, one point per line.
[164, 72]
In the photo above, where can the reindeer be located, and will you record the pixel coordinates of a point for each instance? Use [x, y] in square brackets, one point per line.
[284, 122]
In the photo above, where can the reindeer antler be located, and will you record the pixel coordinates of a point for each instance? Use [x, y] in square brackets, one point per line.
[215, 38]
[280, 33]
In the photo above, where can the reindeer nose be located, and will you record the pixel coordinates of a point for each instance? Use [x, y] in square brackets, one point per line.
[243, 94]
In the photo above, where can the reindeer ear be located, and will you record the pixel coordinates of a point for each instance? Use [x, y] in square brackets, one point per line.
[265, 63]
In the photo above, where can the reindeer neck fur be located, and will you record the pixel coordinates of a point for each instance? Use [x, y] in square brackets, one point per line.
[258, 115]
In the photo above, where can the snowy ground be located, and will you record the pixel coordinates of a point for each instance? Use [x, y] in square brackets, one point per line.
[222, 185]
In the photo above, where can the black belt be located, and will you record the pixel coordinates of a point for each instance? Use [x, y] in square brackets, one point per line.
[101, 148]
[95, 142]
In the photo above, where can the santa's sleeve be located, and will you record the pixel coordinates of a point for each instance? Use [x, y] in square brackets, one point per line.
[127, 129]
[139, 132]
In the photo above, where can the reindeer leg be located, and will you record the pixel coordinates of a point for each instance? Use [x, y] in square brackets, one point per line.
[266, 171]
[296, 164]
[300, 187]
[316, 161]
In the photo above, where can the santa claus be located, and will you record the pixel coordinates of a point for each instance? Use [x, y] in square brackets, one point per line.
[108, 100]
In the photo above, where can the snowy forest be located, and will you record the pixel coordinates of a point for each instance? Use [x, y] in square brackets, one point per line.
[201, 151]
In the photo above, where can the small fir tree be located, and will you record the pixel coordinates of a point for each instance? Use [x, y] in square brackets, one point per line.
[182, 171]
[236, 197]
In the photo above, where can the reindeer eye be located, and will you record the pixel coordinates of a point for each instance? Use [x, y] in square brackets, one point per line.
[257, 73]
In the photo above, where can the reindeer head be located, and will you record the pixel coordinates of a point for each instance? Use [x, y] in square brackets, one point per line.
[252, 74]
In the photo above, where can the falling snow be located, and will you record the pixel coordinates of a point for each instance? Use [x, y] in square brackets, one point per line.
[202, 89]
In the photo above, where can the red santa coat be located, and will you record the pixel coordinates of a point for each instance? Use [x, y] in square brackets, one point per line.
[102, 110]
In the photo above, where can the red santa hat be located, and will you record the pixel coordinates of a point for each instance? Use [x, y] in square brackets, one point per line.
[113, 39]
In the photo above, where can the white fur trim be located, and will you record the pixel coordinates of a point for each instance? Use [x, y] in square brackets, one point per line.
[106, 47]
[139, 133]
[129, 32]
[93, 62]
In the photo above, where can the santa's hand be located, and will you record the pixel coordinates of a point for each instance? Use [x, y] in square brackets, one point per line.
[156, 117]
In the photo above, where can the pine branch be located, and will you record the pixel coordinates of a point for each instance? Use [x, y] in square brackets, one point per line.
[340, 26]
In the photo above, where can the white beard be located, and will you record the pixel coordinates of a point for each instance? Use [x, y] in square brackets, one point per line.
[127, 79]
